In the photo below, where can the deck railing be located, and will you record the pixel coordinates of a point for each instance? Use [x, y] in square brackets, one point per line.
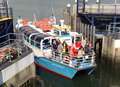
[113, 29]
[5, 10]
[101, 8]
[56, 54]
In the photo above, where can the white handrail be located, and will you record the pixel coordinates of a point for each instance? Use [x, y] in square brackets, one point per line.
[50, 38]
[32, 35]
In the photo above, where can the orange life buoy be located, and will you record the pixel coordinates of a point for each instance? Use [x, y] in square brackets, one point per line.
[66, 59]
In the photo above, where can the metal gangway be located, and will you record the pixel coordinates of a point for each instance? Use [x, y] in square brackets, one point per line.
[100, 8]
[113, 29]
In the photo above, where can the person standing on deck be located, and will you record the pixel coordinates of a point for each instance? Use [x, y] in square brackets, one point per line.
[73, 52]
[54, 48]
[60, 49]
[78, 45]
[83, 43]
[65, 48]
[80, 53]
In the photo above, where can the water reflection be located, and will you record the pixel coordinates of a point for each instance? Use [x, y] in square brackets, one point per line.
[108, 73]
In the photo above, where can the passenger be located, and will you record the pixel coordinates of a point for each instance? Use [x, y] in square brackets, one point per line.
[74, 52]
[83, 43]
[65, 31]
[80, 53]
[90, 45]
[65, 48]
[54, 48]
[60, 47]
[86, 48]
[78, 45]
[54, 45]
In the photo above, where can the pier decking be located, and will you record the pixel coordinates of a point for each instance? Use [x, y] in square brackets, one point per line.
[100, 9]
[98, 14]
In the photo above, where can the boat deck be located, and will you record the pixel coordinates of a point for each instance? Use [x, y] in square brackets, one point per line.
[86, 62]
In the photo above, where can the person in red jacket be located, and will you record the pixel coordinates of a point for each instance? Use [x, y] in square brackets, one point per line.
[74, 52]
[78, 45]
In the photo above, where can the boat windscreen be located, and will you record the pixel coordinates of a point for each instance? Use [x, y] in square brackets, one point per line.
[39, 37]
[25, 28]
[46, 44]
[56, 32]
[64, 33]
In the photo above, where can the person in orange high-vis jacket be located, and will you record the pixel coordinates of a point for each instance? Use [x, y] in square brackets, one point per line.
[73, 51]
[78, 45]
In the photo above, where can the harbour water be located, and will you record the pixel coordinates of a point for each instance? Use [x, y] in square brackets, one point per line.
[107, 72]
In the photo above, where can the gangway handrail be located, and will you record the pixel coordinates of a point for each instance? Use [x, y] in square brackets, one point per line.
[32, 35]
[103, 8]
[35, 42]
[113, 26]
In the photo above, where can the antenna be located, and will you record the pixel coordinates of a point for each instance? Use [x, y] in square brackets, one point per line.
[53, 16]
[52, 12]
[34, 17]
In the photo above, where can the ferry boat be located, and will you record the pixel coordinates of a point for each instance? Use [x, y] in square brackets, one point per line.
[64, 57]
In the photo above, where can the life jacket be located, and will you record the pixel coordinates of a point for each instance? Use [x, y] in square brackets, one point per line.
[74, 52]
[78, 44]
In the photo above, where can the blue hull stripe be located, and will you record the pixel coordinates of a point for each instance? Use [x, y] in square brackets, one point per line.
[56, 67]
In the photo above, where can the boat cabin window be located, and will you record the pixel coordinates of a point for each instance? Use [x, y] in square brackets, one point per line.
[64, 33]
[32, 40]
[46, 44]
[56, 32]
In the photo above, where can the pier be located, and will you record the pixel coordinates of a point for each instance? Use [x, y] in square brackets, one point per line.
[16, 67]
[100, 8]
[111, 41]
[93, 20]
[6, 19]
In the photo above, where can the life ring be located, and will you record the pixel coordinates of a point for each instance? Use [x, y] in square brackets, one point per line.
[66, 59]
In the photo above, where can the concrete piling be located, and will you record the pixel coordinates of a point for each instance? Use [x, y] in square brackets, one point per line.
[111, 47]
